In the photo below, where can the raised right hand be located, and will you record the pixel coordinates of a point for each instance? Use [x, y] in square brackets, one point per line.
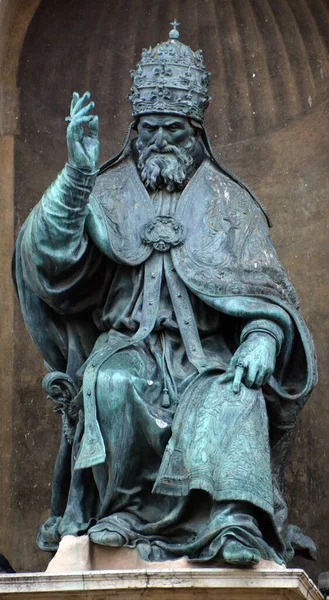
[83, 146]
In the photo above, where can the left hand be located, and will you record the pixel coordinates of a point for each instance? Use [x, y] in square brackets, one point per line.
[253, 363]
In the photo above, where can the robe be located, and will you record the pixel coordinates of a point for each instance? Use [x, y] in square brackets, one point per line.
[142, 300]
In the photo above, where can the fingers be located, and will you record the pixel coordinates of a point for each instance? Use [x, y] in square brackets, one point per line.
[249, 370]
[75, 129]
[93, 127]
[78, 102]
[228, 376]
[259, 379]
[248, 375]
[257, 375]
[235, 374]
[78, 106]
[79, 121]
[251, 375]
[263, 377]
[84, 110]
[75, 98]
[238, 375]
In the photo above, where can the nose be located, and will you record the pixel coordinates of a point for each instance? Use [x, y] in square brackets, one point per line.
[160, 139]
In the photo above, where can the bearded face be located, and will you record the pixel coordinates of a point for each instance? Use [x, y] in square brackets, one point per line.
[165, 145]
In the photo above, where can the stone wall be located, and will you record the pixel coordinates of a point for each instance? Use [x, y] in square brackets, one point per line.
[268, 121]
[15, 16]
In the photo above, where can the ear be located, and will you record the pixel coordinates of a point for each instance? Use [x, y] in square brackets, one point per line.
[135, 124]
[197, 129]
[134, 151]
[198, 154]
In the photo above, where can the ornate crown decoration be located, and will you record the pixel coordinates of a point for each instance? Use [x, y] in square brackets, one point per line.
[171, 78]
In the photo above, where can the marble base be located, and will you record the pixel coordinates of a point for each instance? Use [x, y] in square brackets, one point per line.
[79, 554]
[167, 584]
[87, 571]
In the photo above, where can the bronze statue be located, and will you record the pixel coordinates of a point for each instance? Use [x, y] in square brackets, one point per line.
[176, 351]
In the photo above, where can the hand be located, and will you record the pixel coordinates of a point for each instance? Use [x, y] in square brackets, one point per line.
[83, 147]
[253, 363]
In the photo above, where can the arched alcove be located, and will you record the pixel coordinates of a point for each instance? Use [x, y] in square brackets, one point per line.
[268, 121]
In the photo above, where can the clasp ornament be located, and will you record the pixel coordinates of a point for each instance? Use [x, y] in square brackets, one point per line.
[162, 233]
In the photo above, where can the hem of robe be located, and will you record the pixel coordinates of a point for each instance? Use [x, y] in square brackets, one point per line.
[178, 489]
[204, 546]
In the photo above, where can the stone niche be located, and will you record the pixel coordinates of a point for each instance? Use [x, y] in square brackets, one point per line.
[268, 121]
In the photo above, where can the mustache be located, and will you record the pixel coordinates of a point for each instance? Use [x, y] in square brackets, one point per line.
[154, 149]
[178, 149]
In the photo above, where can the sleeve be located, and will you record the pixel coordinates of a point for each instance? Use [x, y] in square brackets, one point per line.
[296, 373]
[59, 262]
[56, 237]
[264, 326]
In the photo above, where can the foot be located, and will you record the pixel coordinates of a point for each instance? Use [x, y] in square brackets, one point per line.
[238, 554]
[107, 538]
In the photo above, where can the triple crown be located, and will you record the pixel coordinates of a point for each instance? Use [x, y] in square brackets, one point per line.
[171, 78]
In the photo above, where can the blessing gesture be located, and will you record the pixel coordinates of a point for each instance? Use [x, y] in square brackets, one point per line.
[82, 144]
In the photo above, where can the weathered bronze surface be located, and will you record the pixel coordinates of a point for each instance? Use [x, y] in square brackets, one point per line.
[185, 356]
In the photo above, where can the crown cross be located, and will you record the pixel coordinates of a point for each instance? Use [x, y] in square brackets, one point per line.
[174, 34]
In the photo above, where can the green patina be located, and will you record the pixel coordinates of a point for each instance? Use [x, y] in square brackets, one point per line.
[176, 351]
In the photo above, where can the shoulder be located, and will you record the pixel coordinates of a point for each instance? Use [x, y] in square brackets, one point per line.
[115, 177]
[228, 190]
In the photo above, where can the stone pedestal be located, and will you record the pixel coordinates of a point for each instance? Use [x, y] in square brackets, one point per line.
[167, 584]
[77, 554]
[86, 571]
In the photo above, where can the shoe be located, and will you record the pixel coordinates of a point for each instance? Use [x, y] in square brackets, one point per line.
[107, 538]
[236, 553]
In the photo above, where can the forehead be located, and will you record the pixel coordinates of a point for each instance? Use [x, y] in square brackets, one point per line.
[164, 120]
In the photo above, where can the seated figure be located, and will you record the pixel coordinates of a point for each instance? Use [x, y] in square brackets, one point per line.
[176, 351]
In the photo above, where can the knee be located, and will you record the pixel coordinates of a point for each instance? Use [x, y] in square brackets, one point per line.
[118, 380]
[115, 382]
[113, 389]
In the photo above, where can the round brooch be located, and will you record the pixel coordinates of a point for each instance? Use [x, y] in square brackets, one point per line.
[162, 233]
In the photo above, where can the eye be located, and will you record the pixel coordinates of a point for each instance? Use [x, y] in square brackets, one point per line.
[173, 127]
[148, 127]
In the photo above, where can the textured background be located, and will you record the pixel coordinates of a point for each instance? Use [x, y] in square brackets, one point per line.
[269, 123]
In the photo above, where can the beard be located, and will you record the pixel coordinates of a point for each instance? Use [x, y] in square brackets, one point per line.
[166, 168]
